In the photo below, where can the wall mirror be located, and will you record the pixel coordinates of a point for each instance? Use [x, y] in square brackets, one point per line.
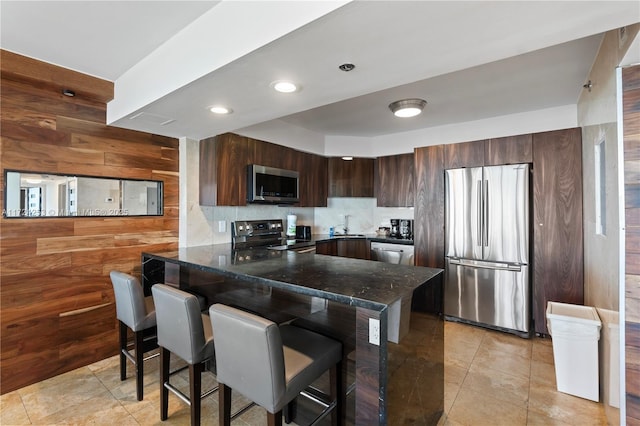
[35, 194]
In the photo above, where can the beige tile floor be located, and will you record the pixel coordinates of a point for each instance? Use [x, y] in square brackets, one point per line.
[491, 378]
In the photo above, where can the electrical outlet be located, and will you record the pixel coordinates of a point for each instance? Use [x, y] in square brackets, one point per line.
[374, 331]
[222, 226]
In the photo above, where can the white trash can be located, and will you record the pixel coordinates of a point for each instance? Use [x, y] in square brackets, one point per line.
[575, 331]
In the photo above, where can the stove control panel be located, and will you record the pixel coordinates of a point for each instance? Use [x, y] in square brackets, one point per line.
[250, 233]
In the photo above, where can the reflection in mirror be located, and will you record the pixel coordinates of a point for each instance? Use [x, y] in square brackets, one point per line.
[29, 194]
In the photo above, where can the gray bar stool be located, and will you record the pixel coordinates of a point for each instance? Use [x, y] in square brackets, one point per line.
[271, 365]
[138, 313]
[184, 331]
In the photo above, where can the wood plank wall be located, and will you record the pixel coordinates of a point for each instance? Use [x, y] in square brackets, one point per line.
[631, 125]
[57, 303]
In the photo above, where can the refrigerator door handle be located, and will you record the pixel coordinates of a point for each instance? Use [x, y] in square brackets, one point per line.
[486, 265]
[485, 219]
[480, 224]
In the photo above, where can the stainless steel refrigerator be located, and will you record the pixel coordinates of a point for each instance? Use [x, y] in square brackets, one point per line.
[487, 247]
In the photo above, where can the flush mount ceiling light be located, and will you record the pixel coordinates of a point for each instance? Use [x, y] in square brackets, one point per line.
[284, 86]
[407, 107]
[347, 158]
[218, 109]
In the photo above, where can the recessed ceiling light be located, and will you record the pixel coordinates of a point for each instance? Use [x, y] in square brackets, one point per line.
[407, 107]
[220, 110]
[283, 86]
[68, 92]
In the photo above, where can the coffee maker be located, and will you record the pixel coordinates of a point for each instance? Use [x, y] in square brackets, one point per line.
[406, 229]
[401, 229]
[394, 232]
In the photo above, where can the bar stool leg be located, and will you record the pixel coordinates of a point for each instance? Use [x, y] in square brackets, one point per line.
[274, 419]
[139, 349]
[123, 347]
[337, 394]
[195, 389]
[224, 404]
[165, 358]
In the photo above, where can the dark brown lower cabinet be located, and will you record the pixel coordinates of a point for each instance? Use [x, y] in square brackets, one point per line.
[358, 248]
[329, 247]
[557, 221]
[354, 248]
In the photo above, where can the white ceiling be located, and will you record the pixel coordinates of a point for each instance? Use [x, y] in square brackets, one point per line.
[170, 60]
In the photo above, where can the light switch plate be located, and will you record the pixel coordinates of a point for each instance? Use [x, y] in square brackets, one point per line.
[222, 226]
[374, 331]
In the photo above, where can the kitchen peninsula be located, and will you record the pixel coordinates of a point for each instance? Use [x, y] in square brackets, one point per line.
[352, 300]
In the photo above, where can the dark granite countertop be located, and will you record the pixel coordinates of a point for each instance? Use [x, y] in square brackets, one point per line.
[363, 283]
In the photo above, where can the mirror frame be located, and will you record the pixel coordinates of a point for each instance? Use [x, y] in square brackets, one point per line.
[62, 175]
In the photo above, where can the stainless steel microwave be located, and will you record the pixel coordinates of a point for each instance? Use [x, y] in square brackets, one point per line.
[272, 185]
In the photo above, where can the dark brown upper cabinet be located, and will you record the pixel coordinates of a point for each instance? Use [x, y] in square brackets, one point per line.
[313, 180]
[351, 178]
[223, 170]
[489, 152]
[394, 180]
[466, 154]
[508, 150]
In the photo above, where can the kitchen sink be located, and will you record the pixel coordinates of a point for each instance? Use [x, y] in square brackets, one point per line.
[349, 235]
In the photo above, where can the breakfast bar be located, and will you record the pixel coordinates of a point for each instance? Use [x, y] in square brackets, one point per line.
[361, 303]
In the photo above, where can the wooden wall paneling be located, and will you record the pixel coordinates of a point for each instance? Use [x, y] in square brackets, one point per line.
[54, 271]
[631, 135]
[18, 152]
[508, 150]
[29, 98]
[558, 268]
[428, 234]
[136, 141]
[22, 68]
[466, 154]
[120, 160]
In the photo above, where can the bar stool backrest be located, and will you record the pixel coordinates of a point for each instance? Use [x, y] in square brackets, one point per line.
[130, 305]
[180, 328]
[249, 356]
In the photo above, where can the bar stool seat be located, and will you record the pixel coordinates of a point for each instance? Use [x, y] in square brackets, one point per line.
[270, 365]
[136, 312]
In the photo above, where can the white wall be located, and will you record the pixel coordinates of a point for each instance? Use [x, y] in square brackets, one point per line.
[508, 125]
[200, 225]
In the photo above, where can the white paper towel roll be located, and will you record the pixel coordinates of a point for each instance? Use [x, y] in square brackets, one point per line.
[291, 225]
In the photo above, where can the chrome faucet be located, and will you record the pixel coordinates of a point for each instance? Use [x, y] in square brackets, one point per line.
[345, 224]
